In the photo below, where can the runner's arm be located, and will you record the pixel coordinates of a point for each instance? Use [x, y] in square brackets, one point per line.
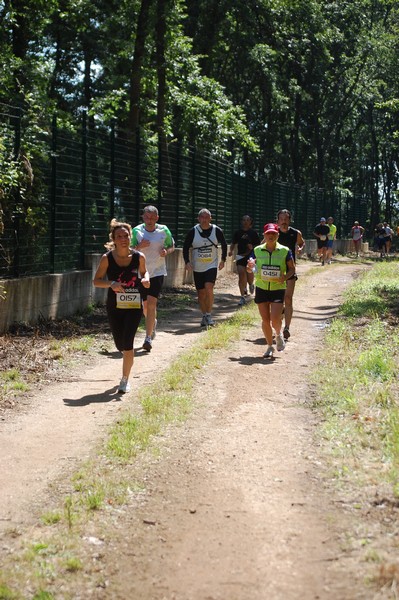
[145, 276]
[188, 242]
[300, 242]
[99, 278]
[222, 241]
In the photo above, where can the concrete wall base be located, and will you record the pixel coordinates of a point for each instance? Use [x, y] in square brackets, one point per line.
[340, 246]
[29, 299]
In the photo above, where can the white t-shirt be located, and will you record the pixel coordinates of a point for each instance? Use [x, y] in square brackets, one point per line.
[160, 238]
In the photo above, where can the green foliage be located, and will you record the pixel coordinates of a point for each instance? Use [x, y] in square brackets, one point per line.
[302, 91]
[373, 294]
[73, 564]
[6, 593]
[43, 595]
[357, 382]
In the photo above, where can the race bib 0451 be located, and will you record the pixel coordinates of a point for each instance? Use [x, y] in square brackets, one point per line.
[270, 272]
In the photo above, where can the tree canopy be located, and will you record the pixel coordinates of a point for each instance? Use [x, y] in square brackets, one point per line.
[303, 91]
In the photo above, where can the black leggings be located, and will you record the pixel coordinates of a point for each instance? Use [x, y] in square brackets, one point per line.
[124, 323]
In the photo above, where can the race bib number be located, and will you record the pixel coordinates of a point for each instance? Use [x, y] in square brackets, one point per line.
[270, 273]
[205, 255]
[323, 238]
[130, 298]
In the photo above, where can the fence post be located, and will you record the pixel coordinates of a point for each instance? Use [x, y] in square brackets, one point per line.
[112, 172]
[214, 213]
[16, 121]
[194, 182]
[83, 192]
[53, 192]
[138, 174]
[178, 170]
[160, 174]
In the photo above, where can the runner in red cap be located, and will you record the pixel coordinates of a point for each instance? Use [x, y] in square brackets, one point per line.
[273, 265]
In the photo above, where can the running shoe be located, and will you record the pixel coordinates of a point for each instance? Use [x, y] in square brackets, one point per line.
[286, 333]
[147, 344]
[280, 343]
[242, 301]
[209, 321]
[245, 292]
[124, 386]
[154, 331]
[269, 352]
[204, 321]
[251, 288]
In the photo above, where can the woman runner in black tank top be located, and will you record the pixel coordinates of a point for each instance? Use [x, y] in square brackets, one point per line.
[123, 271]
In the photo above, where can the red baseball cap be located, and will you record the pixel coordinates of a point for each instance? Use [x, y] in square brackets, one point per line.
[271, 227]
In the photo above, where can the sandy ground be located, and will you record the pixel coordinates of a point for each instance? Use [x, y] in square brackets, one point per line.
[236, 505]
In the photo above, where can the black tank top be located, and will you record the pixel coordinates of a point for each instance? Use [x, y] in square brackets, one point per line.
[128, 276]
[289, 238]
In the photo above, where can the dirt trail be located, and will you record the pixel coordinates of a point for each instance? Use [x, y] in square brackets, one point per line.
[235, 507]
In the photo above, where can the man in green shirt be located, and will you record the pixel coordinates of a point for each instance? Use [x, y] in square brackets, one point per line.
[331, 237]
[155, 241]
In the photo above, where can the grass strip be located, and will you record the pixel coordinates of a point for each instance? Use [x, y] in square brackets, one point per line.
[170, 397]
[357, 382]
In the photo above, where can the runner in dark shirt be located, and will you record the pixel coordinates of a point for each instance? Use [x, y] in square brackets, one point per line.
[321, 231]
[245, 239]
[292, 238]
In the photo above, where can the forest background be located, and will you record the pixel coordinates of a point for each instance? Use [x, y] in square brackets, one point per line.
[303, 92]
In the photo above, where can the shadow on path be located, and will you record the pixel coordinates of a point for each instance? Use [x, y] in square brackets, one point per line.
[109, 395]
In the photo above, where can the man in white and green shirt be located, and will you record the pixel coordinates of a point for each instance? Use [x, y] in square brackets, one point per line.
[155, 241]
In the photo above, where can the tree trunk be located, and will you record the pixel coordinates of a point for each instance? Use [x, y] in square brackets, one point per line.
[136, 70]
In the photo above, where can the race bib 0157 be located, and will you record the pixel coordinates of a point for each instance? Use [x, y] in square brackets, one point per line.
[130, 298]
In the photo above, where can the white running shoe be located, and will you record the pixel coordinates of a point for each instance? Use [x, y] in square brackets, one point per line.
[269, 352]
[147, 344]
[242, 301]
[280, 343]
[154, 331]
[209, 321]
[124, 386]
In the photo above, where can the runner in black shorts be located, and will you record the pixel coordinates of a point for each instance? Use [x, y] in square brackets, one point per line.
[273, 266]
[292, 238]
[203, 241]
[245, 239]
[123, 272]
[322, 231]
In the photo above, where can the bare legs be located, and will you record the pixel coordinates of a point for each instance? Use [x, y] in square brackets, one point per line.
[205, 298]
[127, 362]
[288, 302]
[271, 313]
[244, 278]
[150, 313]
[322, 253]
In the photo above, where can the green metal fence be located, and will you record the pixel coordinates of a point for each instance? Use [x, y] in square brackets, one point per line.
[87, 174]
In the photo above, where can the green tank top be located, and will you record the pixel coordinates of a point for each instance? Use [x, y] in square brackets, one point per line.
[269, 266]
